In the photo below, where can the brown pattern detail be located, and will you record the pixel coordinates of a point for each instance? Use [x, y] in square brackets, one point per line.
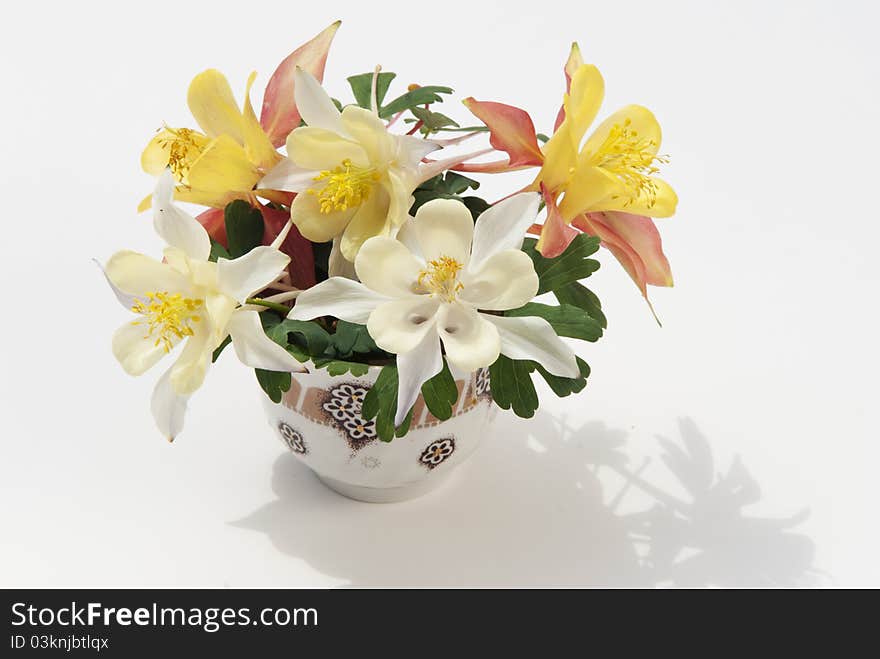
[437, 452]
[310, 404]
[342, 407]
[483, 384]
[293, 439]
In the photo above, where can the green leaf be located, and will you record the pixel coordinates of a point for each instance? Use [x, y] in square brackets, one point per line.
[418, 96]
[218, 251]
[244, 227]
[475, 205]
[219, 349]
[273, 383]
[305, 334]
[380, 403]
[512, 386]
[568, 267]
[566, 320]
[351, 338]
[582, 297]
[440, 393]
[565, 386]
[336, 367]
[362, 87]
[432, 121]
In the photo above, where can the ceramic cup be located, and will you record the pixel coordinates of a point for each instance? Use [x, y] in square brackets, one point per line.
[319, 420]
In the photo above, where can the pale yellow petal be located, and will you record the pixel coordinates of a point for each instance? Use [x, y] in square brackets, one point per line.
[370, 219]
[135, 350]
[319, 149]
[506, 280]
[305, 211]
[256, 143]
[223, 172]
[213, 105]
[368, 130]
[386, 266]
[138, 275]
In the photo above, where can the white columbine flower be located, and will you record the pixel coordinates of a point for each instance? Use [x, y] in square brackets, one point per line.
[430, 286]
[354, 178]
[189, 299]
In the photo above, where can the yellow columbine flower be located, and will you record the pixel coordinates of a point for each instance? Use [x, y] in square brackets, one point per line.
[615, 169]
[353, 177]
[225, 159]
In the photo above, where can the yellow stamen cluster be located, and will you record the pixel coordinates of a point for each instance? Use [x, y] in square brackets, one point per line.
[184, 146]
[633, 160]
[167, 316]
[346, 186]
[440, 278]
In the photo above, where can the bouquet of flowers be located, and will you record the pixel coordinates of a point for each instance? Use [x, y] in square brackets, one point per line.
[364, 242]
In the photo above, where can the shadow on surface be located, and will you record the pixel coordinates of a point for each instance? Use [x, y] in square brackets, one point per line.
[547, 505]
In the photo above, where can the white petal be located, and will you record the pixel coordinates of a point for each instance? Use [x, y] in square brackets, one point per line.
[189, 371]
[407, 235]
[137, 275]
[254, 348]
[125, 299]
[414, 368]
[386, 266]
[314, 104]
[444, 228]
[470, 341]
[338, 297]
[168, 407]
[287, 176]
[174, 226]
[413, 149]
[503, 226]
[506, 280]
[338, 265]
[135, 350]
[251, 272]
[531, 337]
[399, 325]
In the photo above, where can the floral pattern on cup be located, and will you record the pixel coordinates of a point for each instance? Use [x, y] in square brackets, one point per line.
[343, 407]
[293, 439]
[482, 384]
[437, 451]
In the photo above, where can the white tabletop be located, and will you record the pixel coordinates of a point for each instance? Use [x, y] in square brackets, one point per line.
[760, 390]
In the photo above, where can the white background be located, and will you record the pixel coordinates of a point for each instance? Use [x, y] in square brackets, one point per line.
[768, 350]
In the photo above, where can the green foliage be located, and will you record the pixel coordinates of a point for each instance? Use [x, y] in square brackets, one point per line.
[362, 86]
[244, 228]
[273, 383]
[216, 355]
[512, 387]
[449, 186]
[380, 403]
[218, 251]
[566, 320]
[431, 121]
[563, 387]
[568, 267]
[441, 393]
[417, 97]
[578, 295]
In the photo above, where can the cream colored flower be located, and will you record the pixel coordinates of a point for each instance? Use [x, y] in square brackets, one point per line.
[430, 287]
[354, 178]
[191, 300]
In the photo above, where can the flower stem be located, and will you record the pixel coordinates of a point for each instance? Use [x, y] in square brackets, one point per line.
[269, 305]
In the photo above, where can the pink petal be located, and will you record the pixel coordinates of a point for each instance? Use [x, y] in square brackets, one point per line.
[635, 243]
[510, 130]
[214, 222]
[302, 258]
[279, 115]
[574, 61]
[556, 235]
